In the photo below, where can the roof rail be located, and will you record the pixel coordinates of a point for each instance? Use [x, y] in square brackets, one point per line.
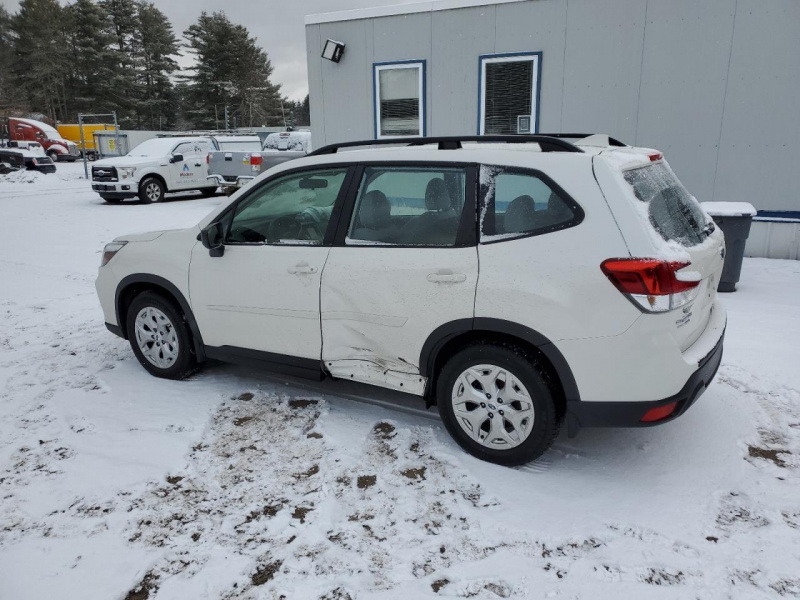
[548, 143]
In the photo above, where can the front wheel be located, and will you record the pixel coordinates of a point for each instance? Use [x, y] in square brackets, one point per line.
[160, 337]
[151, 190]
[53, 156]
[496, 403]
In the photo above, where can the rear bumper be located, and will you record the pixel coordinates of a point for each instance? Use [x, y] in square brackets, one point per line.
[240, 181]
[629, 414]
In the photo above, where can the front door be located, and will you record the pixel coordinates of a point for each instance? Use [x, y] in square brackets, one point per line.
[262, 295]
[191, 172]
[406, 265]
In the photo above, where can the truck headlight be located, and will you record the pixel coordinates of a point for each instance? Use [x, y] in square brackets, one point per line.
[110, 251]
[127, 172]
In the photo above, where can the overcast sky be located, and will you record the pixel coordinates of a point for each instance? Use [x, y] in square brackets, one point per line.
[277, 24]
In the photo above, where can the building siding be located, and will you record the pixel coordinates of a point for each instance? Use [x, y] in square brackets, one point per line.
[713, 84]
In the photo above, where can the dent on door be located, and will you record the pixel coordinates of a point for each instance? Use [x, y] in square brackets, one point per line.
[366, 338]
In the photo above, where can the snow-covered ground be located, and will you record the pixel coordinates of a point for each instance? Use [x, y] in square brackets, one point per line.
[117, 485]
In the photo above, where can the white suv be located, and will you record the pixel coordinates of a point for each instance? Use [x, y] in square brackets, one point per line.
[516, 282]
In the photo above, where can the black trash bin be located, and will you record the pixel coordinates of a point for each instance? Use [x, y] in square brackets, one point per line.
[734, 218]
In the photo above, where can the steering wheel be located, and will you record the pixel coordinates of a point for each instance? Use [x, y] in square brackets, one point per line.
[287, 227]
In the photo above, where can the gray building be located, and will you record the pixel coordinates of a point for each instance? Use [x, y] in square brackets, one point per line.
[713, 84]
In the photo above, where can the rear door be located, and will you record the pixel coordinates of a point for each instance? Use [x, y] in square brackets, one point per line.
[404, 263]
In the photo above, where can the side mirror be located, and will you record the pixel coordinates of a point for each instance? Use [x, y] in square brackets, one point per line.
[212, 238]
[176, 158]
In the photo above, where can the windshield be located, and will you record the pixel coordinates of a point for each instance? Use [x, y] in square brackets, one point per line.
[154, 147]
[673, 213]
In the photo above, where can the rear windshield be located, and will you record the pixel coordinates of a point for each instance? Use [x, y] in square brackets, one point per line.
[673, 213]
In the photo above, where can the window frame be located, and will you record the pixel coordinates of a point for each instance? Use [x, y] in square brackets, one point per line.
[536, 89]
[336, 213]
[467, 235]
[377, 67]
[487, 201]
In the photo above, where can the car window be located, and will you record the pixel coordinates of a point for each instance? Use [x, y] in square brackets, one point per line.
[517, 204]
[199, 148]
[673, 213]
[295, 208]
[408, 206]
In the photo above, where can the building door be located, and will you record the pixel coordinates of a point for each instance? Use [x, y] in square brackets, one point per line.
[509, 93]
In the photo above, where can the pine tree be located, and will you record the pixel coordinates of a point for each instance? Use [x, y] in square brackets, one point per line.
[154, 45]
[10, 99]
[41, 67]
[94, 61]
[231, 70]
[124, 24]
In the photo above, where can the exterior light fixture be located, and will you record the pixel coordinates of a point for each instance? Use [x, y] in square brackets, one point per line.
[333, 51]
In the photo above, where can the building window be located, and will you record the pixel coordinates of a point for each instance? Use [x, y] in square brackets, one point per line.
[400, 99]
[509, 88]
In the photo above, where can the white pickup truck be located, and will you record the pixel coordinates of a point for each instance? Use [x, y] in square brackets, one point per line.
[155, 167]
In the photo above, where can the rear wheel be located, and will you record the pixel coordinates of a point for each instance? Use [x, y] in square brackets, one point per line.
[151, 190]
[110, 199]
[160, 337]
[495, 402]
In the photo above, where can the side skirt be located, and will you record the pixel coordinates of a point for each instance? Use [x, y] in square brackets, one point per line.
[306, 368]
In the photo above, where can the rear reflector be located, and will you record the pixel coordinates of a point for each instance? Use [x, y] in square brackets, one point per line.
[652, 284]
[659, 412]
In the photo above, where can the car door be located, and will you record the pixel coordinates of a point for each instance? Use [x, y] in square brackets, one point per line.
[260, 299]
[186, 174]
[404, 264]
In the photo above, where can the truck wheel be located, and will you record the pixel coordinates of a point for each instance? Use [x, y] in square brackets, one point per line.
[151, 190]
[160, 337]
[208, 192]
[53, 155]
[110, 199]
[495, 402]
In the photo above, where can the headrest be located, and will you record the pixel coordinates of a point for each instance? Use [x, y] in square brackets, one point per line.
[375, 210]
[436, 196]
[520, 215]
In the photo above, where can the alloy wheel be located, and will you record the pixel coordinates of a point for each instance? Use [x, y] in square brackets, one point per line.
[493, 406]
[153, 192]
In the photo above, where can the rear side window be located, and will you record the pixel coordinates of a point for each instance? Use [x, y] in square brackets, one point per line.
[673, 213]
[518, 203]
[408, 206]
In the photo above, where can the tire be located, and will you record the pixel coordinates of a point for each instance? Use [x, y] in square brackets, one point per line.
[171, 352]
[208, 192]
[110, 199]
[151, 190]
[487, 440]
[53, 156]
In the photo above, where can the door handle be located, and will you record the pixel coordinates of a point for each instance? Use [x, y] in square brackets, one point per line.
[302, 268]
[446, 276]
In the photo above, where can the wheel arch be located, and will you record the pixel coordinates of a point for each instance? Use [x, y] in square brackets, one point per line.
[449, 338]
[133, 285]
[154, 175]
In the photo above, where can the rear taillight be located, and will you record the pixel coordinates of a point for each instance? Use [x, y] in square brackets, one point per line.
[208, 158]
[652, 284]
[656, 156]
[256, 160]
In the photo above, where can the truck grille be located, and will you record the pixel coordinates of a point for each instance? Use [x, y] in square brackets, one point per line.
[104, 174]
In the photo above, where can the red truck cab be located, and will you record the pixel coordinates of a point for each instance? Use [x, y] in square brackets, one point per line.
[29, 130]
